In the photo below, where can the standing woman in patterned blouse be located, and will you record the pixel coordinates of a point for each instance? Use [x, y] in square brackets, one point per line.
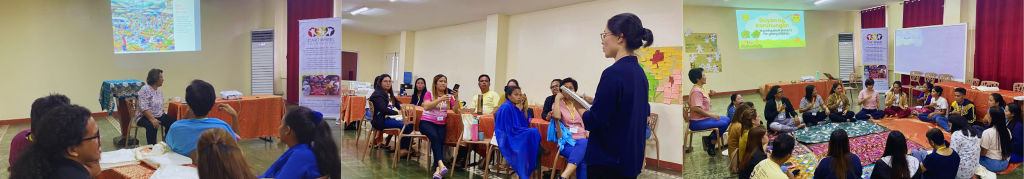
[150, 112]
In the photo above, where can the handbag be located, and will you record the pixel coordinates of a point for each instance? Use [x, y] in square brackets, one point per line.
[467, 127]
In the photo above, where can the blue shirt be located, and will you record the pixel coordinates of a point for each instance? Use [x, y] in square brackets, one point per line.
[941, 166]
[732, 109]
[299, 161]
[617, 121]
[853, 168]
[184, 134]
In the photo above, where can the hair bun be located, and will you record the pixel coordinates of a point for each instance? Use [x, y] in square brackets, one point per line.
[647, 36]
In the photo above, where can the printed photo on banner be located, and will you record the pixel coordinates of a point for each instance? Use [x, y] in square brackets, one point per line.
[770, 29]
[321, 85]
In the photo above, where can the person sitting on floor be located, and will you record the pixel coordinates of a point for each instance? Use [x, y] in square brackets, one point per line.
[995, 142]
[839, 163]
[738, 131]
[782, 150]
[312, 152]
[963, 107]
[838, 102]
[218, 156]
[938, 108]
[750, 157]
[895, 163]
[965, 142]
[736, 99]
[1016, 125]
[896, 103]
[868, 99]
[780, 113]
[700, 115]
[943, 161]
[23, 139]
[925, 98]
[201, 99]
[813, 107]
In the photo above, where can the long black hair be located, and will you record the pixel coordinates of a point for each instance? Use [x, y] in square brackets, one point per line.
[509, 90]
[839, 149]
[899, 85]
[65, 128]
[959, 123]
[809, 93]
[379, 86]
[896, 150]
[732, 100]
[999, 123]
[629, 27]
[1015, 110]
[310, 128]
[416, 91]
[999, 100]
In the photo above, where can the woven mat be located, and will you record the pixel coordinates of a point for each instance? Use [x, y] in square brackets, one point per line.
[913, 128]
[869, 148]
[806, 163]
[821, 133]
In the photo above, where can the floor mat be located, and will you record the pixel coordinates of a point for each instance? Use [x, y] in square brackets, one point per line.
[913, 128]
[806, 163]
[867, 171]
[821, 133]
[869, 148]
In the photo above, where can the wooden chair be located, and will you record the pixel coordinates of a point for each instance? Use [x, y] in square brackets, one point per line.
[408, 112]
[374, 132]
[945, 78]
[486, 124]
[930, 77]
[688, 134]
[133, 105]
[990, 84]
[973, 81]
[652, 121]
[854, 81]
[1018, 87]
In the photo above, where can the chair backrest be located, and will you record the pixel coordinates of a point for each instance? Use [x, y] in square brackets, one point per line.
[973, 81]
[372, 111]
[408, 112]
[686, 110]
[652, 121]
[990, 84]
[915, 76]
[930, 77]
[1018, 87]
[132, 104]
[945, 78]
[854, 80]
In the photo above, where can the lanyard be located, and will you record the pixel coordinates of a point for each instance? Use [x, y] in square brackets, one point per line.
[571, 113]
[940, 148]
[704, 90]
[778, 103]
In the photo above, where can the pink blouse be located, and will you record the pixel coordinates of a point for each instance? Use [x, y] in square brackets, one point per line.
[572, 120]
[439, 113]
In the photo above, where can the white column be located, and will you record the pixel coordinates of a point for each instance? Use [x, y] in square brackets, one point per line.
[496, 48]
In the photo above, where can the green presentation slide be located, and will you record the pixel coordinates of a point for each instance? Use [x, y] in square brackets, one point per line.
[770, 29]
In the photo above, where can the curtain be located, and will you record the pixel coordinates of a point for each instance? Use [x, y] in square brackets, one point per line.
[917, 13]
[299, 10]
[872, 18]
[999, 42]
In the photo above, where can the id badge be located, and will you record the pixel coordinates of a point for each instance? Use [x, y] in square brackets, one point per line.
[440, 119]
[814, 113]
[574, 130]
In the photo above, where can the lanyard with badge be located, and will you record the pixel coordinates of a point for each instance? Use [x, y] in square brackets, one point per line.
[572, 115]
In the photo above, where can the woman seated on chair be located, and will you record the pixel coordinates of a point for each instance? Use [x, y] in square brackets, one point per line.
[312, 152]
[840, 104]
[780, 113]
[754, 153]
[517, 141]
[418, 92]
[150, 112]
[700, 115]
[568, 123]
[896, 101]
[812, 106]
[386, 107]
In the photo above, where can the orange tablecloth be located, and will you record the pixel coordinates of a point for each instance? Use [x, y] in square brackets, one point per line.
[353, 108]
[258, 116]
[139, 171]
[405, 100]
[795, 91]
[979, 98]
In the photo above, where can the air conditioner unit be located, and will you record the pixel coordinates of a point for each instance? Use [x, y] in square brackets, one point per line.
[262, 56]
[846, 60]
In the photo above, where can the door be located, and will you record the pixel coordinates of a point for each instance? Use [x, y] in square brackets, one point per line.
[349, 64]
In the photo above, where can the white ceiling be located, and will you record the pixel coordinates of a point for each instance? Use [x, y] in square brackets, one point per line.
[389, 18]
[840, 5]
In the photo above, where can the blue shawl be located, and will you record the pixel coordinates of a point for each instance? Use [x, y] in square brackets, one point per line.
[516, 140]
[297, 162]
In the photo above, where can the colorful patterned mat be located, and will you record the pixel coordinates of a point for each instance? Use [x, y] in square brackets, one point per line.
[913, 128]
[806, 163]
[821, 133]
[869, 148]
[867, 171]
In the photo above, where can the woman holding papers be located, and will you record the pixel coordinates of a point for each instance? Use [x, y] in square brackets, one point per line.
[618, 118]
[571, 132]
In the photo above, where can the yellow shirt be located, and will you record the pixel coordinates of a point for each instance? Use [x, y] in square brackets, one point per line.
[767, 169]
[490, 101]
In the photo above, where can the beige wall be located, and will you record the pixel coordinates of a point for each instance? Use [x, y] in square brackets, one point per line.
[955, 12]
[456, 51]
[63, 46]
[752, 68]
[371, 53]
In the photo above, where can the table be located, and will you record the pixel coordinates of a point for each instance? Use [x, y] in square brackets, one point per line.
[258, 116]
[119, 90]
[405, 99]
[454, 131]
[137, 171]
[978, 97]
[353, 108]
[795, 91]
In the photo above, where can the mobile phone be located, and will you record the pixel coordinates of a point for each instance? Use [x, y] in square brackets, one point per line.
[796, 172]
[456, 88]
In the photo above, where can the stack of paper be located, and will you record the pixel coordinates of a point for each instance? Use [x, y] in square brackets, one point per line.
[176, 172]
[117, 158]
[169, 159]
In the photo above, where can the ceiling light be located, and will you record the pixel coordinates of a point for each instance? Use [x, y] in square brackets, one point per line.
[360, 10]
[819, 2]
[392, 0]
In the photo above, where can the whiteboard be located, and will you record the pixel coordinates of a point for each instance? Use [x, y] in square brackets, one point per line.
[936, 49]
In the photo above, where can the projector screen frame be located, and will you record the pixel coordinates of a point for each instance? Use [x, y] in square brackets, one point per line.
[965, 48]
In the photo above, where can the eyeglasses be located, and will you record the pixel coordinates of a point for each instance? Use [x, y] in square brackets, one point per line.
[93, 137]
[604, 34]
[554, 87]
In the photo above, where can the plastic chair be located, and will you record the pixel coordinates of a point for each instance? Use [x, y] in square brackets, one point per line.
[408, 112]
[915, 76]
[374, 132]
[652, 121]
[486, 124]
[688, 134]
[854, 80]
[945, 78]
[1018, 87]
[990, 84]
[973, 81]
[930, 77]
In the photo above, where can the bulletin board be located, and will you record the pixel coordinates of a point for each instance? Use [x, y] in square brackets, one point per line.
[664, 68]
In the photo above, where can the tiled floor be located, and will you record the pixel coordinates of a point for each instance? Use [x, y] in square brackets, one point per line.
[377, 165]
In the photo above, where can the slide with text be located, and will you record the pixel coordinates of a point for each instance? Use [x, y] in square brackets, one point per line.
[155, 25]
[770, 29]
